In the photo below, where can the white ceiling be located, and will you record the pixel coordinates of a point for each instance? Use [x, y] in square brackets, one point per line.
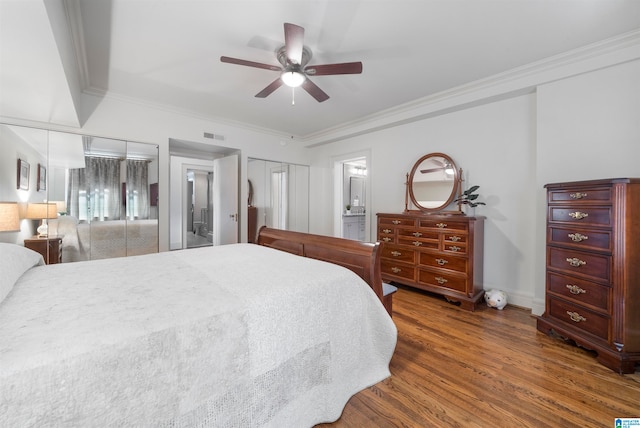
[166, 52]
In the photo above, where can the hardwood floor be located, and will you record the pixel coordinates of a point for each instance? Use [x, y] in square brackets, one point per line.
[487, 368]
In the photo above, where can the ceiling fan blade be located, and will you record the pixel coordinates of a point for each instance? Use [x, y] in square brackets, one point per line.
[294, 42]
[270, 88]
[340, 68]
[250, 63]
[314, 91]
[427, 171]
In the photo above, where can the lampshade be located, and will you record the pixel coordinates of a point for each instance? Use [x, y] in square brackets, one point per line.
[42, 211]
[9, 217]
[39, 211]
[293, 78]
[61, 206]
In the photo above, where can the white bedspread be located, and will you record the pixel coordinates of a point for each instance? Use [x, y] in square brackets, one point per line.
[232, 336]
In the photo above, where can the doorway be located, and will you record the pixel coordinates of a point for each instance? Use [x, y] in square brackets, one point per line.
[352, 198]
[199, 207]
[192, 196]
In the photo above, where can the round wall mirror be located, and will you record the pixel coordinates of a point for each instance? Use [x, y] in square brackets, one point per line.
[433, 182]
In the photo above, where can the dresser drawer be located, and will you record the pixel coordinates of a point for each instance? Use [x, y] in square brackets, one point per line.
[443, 224]
[454, 248]
[588, 239]
[596, 266]
[454, 238]
[386, 230]
[595, 195]
[402, 254]
[579, 317]
[585, 216]
[419, 242]
[579, 291]
[418, 233]
[444, 261]
[396, 221]
[440, 278]
[397, 269]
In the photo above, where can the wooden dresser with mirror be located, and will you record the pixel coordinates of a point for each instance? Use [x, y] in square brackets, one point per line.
[428, 247]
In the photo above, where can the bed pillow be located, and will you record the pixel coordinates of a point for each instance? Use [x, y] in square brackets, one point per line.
[14, 261]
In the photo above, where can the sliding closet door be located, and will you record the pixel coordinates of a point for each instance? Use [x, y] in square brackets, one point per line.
[140, 191]
[101, 197]
[280, 194]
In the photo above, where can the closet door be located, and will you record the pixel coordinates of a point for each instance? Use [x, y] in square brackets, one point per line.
[140, 193]
[101, 198]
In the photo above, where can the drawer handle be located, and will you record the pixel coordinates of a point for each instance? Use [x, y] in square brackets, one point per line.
[396, 269]
[442, 262]
[396, 253]
[417, 234]
[386, 239]
[386, 230]
[417, 243]
[578, 195]
[576, 317]
[454, 238]
[575, 262]
[577, 237]
[441, 225]
[396, 222]
[440, 280]
[574, 289]
[454, 248]
[578, 215]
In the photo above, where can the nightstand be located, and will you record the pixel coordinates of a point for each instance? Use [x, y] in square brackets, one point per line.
[50, 248]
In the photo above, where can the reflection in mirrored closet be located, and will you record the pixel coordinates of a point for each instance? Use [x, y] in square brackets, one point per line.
[278, 196]
[105, 192]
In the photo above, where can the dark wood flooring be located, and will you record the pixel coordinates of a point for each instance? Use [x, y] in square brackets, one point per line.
[488, 368]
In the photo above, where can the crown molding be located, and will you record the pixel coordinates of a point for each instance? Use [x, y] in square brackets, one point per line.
[74, 17]
[514, 82]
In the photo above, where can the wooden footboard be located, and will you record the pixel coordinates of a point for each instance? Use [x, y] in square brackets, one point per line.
[363, 258]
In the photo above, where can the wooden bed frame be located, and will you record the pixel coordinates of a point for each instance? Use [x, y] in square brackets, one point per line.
[363, 258]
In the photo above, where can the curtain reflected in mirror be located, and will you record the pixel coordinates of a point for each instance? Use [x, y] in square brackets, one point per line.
[280, 195]
[105, 191]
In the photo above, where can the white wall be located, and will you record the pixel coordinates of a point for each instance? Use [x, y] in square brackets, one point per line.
[583, 127]
[112, 117]
[494, 145]
[588, 127]
[12, 148]
[570, 128]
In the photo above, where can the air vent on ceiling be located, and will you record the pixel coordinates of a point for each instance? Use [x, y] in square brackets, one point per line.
[213, 136]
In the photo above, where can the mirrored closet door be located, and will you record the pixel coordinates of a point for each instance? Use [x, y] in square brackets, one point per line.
[105, 191]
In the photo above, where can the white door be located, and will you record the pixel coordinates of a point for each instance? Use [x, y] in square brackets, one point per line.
[225, 200]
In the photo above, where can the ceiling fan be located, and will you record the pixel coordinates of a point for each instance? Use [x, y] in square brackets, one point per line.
[294, 57]
[446, 167]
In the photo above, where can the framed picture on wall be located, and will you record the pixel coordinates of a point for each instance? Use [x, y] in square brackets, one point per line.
[23, 174]
[42, 178]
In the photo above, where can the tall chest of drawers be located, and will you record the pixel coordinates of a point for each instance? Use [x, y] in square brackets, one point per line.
[593, 268]
[442, 254]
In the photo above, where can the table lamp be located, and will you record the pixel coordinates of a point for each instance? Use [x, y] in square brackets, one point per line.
[9, 217]
[42, 211]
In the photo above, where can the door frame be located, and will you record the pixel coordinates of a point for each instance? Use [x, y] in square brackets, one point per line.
[338, 194]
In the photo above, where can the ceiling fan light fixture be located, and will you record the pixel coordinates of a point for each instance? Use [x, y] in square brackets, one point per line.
[448, 169]
[293, 78]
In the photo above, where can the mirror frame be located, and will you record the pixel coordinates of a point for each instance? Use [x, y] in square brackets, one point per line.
[454, 191]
